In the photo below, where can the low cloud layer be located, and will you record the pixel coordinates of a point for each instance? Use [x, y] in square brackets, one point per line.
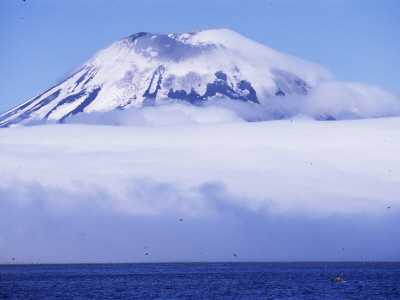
[41, 231]
[279, 190]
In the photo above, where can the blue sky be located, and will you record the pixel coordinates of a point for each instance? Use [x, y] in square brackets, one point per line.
[43, 40]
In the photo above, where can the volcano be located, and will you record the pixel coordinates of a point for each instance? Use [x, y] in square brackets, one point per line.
[149, 69]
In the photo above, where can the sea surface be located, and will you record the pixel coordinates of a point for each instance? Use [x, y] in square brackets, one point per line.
[201, 281]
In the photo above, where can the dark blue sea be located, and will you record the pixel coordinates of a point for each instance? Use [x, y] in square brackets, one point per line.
[202, 281]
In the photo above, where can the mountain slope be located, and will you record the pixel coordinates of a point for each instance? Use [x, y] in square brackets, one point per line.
[145, 69]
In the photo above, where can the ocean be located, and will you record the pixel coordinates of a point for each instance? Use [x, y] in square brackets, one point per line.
[201, 281]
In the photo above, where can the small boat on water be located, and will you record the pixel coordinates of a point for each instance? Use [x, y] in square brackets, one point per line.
[337, 279]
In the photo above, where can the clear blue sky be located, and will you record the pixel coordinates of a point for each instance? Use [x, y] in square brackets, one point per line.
[43, 40]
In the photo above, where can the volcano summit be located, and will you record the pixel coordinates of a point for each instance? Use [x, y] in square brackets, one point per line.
[146, 69]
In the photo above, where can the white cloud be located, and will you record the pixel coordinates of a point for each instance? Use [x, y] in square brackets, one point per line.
[349, 100]
[324, 167]
[71, 193]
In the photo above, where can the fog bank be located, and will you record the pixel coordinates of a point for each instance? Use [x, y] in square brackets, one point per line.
[82, 193]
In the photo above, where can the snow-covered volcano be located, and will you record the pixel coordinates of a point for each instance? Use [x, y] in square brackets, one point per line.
[144, 69]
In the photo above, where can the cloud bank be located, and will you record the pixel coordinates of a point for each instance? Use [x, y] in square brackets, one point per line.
[279, 190]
